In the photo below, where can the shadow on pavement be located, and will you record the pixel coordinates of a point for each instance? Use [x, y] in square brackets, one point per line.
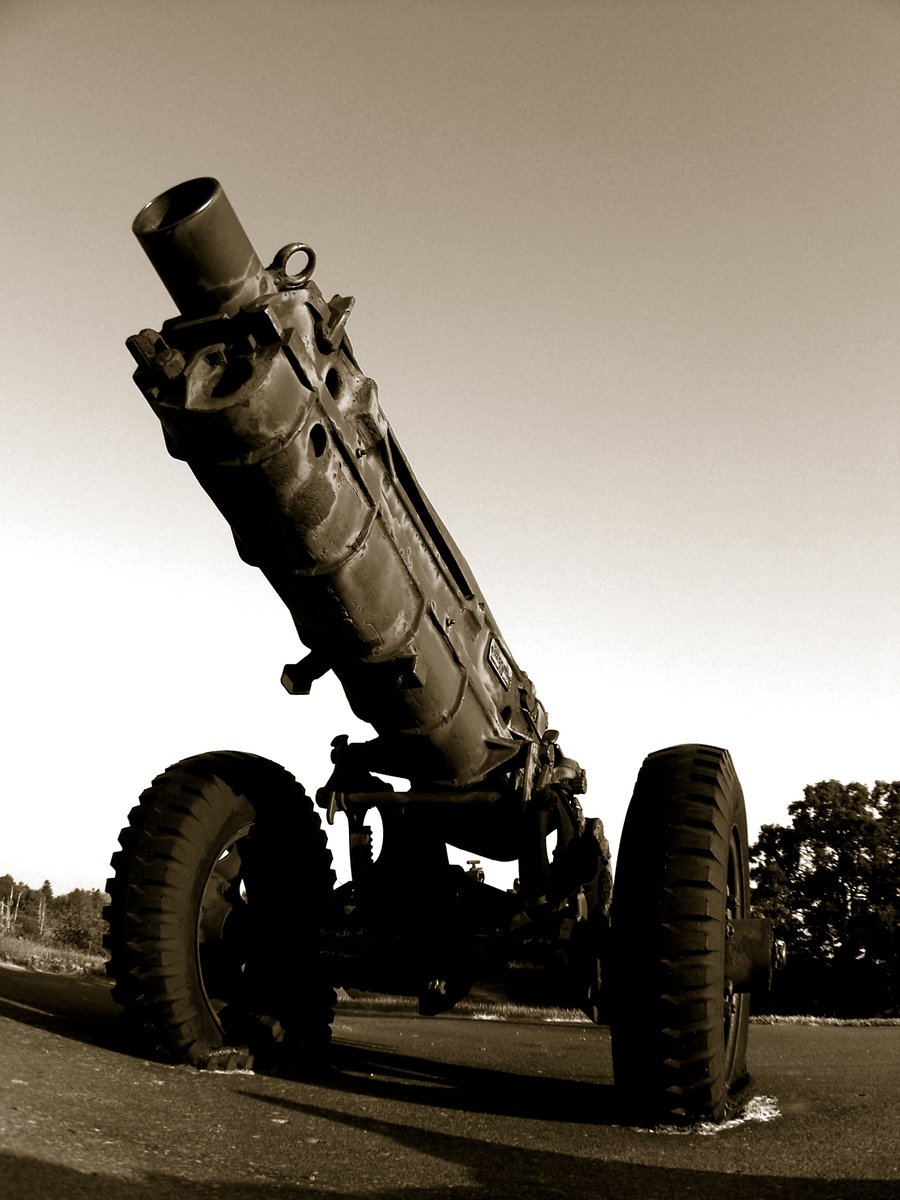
[499, 1172]
[390, 1075]
[85, 1011]
[82, 1009]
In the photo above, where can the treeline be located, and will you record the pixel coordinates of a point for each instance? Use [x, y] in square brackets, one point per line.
[74, 920]
[830, 883]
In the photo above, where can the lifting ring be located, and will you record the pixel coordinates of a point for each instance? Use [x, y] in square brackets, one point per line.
[279, 264]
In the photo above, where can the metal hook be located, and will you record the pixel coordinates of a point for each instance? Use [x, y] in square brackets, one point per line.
[279, 264]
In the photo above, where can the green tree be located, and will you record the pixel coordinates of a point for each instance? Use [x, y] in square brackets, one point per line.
[10, 903]
[830, 882]
[44, 896]
[31, 913]
[76, 920]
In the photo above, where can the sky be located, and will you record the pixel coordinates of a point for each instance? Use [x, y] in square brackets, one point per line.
[628, 278]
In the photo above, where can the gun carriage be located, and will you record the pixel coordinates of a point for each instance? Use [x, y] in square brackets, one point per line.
[227, 931]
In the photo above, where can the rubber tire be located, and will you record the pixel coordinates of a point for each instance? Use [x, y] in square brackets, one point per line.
[679, 1033]
[216, 903]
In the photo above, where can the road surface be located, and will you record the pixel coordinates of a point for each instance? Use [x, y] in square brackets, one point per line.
[419, 1108]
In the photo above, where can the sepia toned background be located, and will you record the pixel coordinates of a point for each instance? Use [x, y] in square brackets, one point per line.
[628, 277]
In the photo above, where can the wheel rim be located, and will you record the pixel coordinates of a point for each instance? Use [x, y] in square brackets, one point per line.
[735, 906]
[222, 935]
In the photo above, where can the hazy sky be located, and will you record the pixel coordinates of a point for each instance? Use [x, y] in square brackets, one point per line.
[628, 277]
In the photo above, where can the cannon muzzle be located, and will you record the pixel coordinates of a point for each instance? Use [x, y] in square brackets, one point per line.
[200, 250]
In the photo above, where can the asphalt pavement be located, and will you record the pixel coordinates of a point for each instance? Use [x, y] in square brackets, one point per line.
[415, 1108]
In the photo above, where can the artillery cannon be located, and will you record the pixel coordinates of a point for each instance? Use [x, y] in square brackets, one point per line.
[227, 933]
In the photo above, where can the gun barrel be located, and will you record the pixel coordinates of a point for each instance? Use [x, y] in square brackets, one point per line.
[258, 390]
[199, 249]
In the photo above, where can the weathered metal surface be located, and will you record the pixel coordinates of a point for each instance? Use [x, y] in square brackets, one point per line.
[258, 390]
[200, 249]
